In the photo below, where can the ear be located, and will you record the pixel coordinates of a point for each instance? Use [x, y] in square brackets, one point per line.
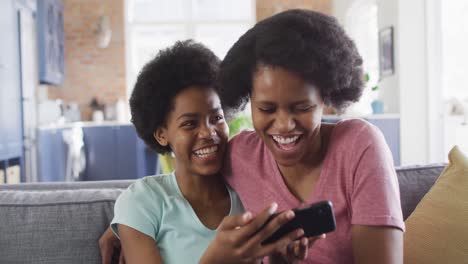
[161, 136]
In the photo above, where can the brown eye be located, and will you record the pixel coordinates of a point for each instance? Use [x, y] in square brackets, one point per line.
[217, 118]
[189, 123]
[267, 110]
[304, 108]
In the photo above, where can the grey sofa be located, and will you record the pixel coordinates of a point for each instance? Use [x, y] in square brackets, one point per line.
[62, 222]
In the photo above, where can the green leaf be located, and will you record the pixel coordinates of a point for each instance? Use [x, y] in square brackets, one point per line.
[239, 123]
[366, 77]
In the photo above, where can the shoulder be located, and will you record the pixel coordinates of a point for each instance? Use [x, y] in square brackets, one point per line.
[356, 126]
[140, 206]
[244, 154]
[245, 136]
[243, 140]
[149, 188]
[356, 131]
[352, 138]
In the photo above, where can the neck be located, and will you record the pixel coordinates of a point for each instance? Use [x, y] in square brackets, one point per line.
[206, 189]
[301, 178]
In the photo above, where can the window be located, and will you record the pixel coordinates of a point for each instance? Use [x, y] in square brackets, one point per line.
[454, 35]
[361, 23]
[156, 24]
[454, 49]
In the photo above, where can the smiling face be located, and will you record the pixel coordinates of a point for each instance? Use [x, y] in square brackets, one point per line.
[196, 131]
[286, 113]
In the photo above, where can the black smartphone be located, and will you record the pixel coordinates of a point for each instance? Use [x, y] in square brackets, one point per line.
[316, 219]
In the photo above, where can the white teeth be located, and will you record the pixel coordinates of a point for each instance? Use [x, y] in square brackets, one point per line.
[285, 140]
[204, 152]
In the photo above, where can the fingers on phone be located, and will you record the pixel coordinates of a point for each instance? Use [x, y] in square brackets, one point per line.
[302, 249]
[290, 237]
[284, 241]
[311, 240]
[315, 238]
[264, 231]
[235, 221]
[257, 222]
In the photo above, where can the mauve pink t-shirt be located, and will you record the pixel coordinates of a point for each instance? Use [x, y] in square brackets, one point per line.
[357, 175]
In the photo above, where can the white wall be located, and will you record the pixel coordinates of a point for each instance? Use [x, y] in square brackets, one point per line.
[339, 8]
[387, 10]
[411, 91]
[414, 110]
[437, 152]
[389, 86]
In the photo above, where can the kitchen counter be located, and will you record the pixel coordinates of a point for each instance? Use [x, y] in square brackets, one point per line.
[83, 124]
[112, 150]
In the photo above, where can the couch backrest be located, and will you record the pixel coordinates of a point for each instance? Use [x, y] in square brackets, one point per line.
[62, 222]
[415, 182]
[55, 223]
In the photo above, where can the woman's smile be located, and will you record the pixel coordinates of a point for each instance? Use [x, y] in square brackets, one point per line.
[286, 142]
[207, 153]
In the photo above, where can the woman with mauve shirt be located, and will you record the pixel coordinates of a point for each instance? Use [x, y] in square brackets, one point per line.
[290, 66]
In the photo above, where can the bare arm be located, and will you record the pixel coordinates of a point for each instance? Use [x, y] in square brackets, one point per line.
[138, 247]
[108, 244]
[377, 244]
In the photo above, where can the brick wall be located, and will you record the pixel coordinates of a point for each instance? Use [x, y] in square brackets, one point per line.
[94, 72]
[91, 71]
[267, 8]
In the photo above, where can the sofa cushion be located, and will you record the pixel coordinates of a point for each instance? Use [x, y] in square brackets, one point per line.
[415, 182]
[48, 223]
[437, 230]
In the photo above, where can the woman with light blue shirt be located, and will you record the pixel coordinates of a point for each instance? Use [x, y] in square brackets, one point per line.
[191, 215]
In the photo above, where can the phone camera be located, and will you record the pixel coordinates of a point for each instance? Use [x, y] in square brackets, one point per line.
[320, 211]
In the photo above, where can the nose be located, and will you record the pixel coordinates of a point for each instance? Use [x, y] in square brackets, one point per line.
[207, 131]
[284, 122]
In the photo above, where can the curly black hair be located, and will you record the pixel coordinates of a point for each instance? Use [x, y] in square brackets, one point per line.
[307, 43]
[174, 69]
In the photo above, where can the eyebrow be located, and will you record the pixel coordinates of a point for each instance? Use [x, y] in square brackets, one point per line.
[294, 103]
[187, 115]
[214, 110]
[304, 102]
[264, 102]
[193, 115]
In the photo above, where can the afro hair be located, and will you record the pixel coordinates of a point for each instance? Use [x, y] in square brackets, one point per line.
[174, 69]
[310, 44]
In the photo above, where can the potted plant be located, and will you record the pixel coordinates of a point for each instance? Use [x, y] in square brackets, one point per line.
[376, 104]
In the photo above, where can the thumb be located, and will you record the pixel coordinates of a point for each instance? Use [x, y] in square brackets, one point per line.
[235, 221]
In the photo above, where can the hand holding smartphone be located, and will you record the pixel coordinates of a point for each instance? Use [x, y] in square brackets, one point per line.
[315, 220]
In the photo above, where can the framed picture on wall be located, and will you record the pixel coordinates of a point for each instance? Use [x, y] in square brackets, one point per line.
[386, 52]
[51, 40]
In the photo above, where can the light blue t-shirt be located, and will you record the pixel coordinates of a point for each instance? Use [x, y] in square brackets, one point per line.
[155, 206]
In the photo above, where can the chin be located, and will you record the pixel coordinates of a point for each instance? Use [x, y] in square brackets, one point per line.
[283, 157]
[286, 162]
[211, 170]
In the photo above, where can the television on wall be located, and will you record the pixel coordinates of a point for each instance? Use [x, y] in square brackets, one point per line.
[51, 40]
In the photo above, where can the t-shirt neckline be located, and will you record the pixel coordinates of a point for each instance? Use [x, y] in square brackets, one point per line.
[190, 208]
